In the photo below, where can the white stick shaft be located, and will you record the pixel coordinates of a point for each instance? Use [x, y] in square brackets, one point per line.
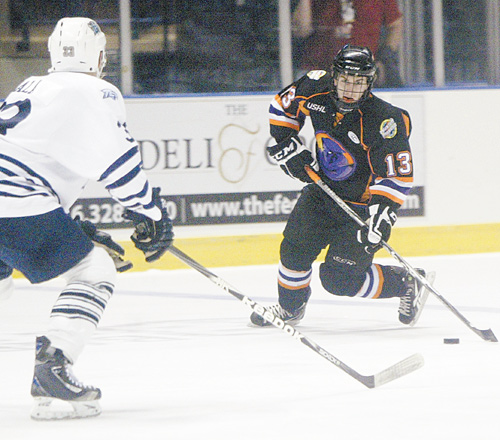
[487, 335]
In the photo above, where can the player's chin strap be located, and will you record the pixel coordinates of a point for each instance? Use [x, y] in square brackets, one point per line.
[399, 369]
[487, 335]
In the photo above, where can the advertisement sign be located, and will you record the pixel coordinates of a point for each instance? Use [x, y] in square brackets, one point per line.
[208, 155]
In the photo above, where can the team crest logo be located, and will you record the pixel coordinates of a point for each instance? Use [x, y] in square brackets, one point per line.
[335, 161]
[108, 93]
[388, 128]
[94, 26]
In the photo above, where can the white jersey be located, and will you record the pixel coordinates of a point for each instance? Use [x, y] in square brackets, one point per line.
[59, 131]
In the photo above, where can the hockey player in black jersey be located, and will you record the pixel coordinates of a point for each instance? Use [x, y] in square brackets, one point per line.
[362, 152]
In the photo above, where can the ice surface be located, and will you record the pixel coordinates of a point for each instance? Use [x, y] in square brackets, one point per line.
[175, 359]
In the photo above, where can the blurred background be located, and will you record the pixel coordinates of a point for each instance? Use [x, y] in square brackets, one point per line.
[198, 76]
[222, 46]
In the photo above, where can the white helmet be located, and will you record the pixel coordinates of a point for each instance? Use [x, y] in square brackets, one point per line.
[77, 45]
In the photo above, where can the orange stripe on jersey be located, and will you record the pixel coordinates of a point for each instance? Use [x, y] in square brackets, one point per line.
[285, 124]
[311, 96]
[387, 195]
[277, 98]
[403, 179]
[279, 101]
[287, 286]
[380, 281]
[303, 109]
[365, 147]
[406, 120]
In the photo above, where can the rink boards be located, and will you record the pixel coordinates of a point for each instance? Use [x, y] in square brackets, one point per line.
[264, 248]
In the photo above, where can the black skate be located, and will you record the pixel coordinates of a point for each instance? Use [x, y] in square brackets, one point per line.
[287, 316]
[53, 381]
[412, 302]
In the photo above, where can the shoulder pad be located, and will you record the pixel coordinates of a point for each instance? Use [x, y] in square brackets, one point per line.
[314, 82]
[387, 115]
[316, 75]
[376, 105]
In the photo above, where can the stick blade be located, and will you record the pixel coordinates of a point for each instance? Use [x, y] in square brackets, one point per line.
[487, 335]
[402, 368]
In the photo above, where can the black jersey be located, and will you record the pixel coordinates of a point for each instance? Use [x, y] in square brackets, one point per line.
[361, 154]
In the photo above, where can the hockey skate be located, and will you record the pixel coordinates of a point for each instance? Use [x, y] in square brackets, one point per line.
[54, 383]
[288, 317]
[412, 302]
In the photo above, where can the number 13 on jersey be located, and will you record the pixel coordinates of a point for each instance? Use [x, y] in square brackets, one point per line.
[399, 164]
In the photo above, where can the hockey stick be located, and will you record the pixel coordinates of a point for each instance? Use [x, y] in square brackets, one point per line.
[487, 335]
[399, 369]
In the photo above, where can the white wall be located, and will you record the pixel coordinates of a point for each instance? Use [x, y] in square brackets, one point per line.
[462, 157]
[469, 147]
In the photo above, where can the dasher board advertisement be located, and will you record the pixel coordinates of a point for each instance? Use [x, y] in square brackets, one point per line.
[208, 155]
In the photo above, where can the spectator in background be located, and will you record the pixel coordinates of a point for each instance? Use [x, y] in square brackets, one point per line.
[323, 27]
[71, 8]
[26, 13]
[220, 46]
[144, 12]
[20, 13]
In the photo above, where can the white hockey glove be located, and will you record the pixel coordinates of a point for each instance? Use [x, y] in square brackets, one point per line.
[292, 156]
[380, 223]
[104, 240]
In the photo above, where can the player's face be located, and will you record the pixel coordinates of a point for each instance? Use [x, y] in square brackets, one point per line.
[350, 88]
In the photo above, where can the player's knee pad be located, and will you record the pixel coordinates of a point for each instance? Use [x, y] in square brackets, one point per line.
[341, 279]
[97, 267]
[296, 257]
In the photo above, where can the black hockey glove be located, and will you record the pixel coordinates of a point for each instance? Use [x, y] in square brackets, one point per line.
[104, 240]
[380, 223]
[152, 237]
[292, 156]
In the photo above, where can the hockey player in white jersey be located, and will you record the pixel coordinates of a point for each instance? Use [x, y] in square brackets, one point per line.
[57, 132]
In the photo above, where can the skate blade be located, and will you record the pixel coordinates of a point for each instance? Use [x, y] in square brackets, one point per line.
[48, 408]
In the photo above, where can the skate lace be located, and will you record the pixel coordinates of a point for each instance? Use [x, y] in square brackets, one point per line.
[73, 380]
[406, 301]
[282, 313]
[279, 311]
[405, 304]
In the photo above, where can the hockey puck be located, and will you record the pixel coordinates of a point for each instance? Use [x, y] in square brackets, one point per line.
[451, 341]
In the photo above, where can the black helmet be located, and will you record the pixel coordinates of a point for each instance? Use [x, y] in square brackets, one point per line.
[356, 61]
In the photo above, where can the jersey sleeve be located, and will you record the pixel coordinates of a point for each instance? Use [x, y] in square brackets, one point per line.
[93, 141]
[127, 184]
[284, 119]
[391, 161]
[287, 111]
